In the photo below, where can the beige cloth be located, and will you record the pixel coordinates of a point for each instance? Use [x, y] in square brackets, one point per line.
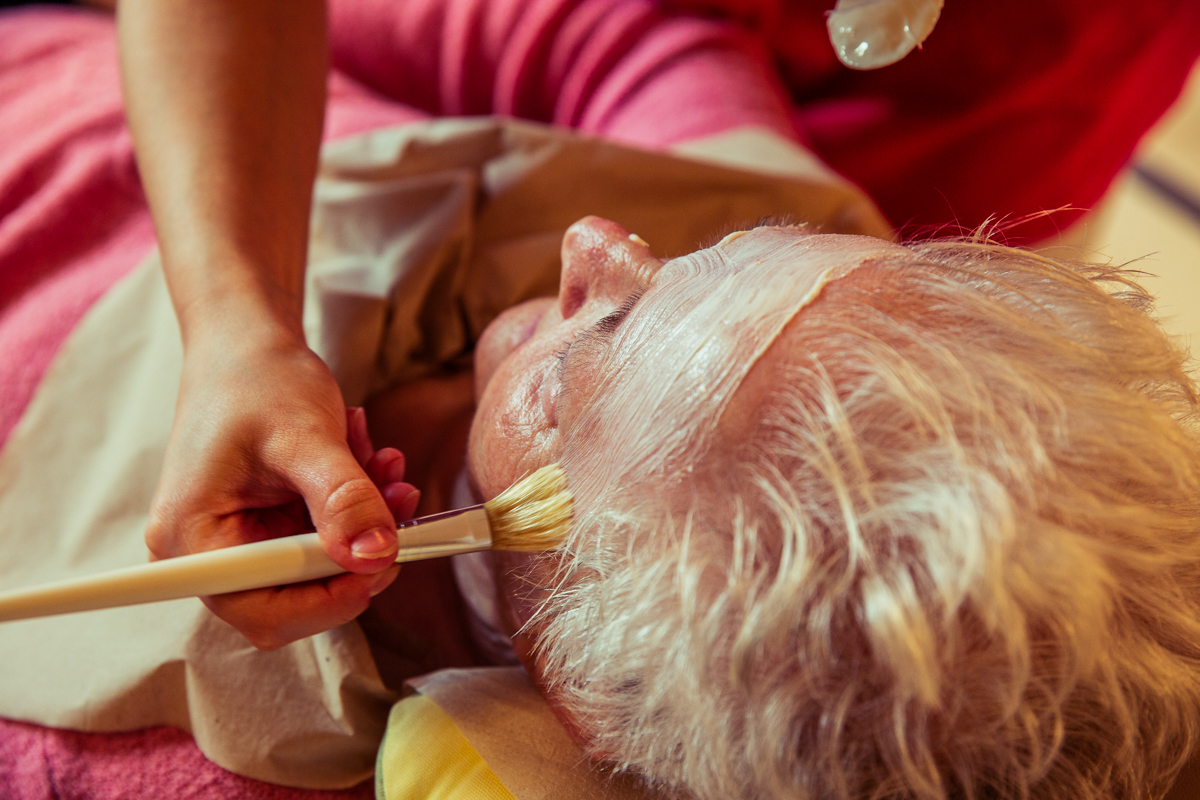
[420, 236]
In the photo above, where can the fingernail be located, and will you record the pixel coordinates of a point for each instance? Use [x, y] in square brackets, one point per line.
[375, 543]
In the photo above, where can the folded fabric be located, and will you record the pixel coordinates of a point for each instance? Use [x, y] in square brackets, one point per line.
[486, 734]
[425, 757]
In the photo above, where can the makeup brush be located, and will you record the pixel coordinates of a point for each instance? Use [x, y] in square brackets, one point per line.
[533, 514]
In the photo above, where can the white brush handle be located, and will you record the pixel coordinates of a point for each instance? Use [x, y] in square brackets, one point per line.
[274, 562]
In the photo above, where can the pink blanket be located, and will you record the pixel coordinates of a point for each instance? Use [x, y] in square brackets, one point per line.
[45, 764]
[73, 219]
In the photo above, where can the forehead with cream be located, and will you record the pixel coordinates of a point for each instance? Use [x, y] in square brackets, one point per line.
[678, 360]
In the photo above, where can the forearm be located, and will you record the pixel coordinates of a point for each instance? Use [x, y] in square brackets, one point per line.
[226, 102]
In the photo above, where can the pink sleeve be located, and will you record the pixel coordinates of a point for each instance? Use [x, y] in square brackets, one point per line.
[618, 68]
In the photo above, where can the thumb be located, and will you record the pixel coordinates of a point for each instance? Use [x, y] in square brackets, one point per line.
[352, 518]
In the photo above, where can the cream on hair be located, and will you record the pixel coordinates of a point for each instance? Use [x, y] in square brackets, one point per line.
[956, 555]
[665, 387]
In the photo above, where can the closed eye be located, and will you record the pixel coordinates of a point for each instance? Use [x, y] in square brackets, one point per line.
[602, 331]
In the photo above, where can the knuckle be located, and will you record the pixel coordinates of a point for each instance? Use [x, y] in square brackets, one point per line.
[263, 635]
[158, 534]
[155, 539]
[352, 497]
[252, 624]
[264, 641]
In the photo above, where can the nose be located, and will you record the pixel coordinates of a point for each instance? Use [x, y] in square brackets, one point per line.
[602, 261]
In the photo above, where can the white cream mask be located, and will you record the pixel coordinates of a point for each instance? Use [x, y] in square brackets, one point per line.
[869, 34]
[675, 363]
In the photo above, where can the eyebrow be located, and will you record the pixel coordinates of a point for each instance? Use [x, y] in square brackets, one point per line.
[602, 331]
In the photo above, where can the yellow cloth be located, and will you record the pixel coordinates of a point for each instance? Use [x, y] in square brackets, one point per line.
[425, 757]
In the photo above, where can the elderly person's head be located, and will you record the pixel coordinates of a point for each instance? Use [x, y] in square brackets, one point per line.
[855, 519]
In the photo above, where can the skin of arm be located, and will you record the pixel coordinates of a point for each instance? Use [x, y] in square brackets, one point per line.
[225, 100]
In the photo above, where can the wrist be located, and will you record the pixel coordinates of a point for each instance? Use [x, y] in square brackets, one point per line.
[247, 311]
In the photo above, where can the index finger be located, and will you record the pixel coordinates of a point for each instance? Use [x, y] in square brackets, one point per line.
[274, 617]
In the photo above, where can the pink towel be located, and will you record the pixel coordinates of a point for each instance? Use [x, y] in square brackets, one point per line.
[162, 763]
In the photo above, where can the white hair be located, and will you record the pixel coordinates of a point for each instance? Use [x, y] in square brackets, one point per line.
[960, 557]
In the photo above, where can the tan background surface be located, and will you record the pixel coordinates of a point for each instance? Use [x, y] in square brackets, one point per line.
[1139, 220]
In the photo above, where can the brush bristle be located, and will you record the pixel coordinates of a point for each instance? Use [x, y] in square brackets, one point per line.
[532, 514]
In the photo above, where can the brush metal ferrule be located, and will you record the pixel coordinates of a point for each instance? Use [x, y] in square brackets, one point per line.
[464, 530]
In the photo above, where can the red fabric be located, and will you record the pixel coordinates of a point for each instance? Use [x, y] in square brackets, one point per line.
[1011, 108]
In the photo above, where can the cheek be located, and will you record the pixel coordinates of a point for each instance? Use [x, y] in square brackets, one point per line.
[504, 335]
[511, 435]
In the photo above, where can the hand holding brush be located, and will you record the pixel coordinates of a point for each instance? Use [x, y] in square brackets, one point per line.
[533, 514]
